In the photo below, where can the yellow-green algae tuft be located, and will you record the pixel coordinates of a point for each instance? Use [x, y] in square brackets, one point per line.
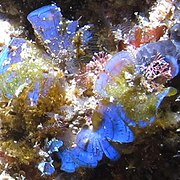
[25, 125]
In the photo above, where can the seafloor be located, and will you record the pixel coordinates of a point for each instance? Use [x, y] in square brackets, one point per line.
[155, 153]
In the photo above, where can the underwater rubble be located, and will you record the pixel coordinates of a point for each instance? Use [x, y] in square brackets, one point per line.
[70, 109]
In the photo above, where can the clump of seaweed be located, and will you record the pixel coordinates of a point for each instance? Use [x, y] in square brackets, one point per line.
[35, 89]
[57, 116]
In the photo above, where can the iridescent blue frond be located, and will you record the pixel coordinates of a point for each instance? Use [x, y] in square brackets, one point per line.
[109, 150]
[73, 158]
[34, 95]
[54, 145]
[46, 168]
[92, 142]
[89, 141]
[68, 163]
[69, 34]
[113, 126]
[83, 158]
[11, 54]
[46, 22]
[89, 149]
[55, 33]
[86, 34]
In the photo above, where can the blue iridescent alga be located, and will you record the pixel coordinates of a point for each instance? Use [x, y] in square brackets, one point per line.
[91, 145]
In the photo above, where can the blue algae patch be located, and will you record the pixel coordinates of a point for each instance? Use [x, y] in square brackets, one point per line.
[68, 161]
[69, 34]
[46, 23]
[55, 33]
[46, 168]
[109, 150]
[91, 145]
[89, 141]
[54, 145]
[11, 54]
[113, 126]
[86, 35]
[165, 48]
[34, 95]
[92, 142]
[73, 158]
